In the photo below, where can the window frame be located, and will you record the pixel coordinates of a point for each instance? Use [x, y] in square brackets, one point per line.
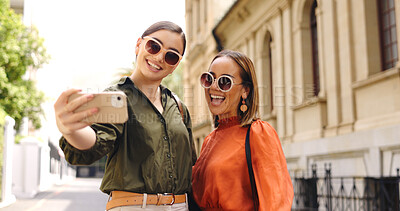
[386, 29]
[314, 49]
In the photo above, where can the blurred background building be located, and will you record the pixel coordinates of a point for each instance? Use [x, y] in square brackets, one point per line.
[328, 76]
[329, 82]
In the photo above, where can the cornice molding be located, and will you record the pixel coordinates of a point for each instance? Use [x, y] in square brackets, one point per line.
[309, 102]
[375, 78]
[285, 4]
[242, 14]
[195, 51]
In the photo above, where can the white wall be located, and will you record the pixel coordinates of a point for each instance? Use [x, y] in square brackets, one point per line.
[27, 165]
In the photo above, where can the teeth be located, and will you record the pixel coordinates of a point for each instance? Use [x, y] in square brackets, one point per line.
[153, 65]
[216, 96]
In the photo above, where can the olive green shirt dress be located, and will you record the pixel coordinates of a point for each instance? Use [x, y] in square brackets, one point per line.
[150, 153]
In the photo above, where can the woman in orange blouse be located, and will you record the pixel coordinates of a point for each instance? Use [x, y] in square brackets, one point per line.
[220, 178]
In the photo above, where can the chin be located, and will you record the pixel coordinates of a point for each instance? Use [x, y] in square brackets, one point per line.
[217, 112]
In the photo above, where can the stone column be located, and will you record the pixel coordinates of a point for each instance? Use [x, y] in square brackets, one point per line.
[346, 66]
[288, 60]
[6, 186]
[330, 67]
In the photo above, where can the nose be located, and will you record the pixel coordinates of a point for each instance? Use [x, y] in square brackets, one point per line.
[160, 57]
[214, 85]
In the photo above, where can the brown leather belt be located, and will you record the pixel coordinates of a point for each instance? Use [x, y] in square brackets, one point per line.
[123, 198]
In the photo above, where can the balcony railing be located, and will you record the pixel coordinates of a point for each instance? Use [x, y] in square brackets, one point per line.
[346, 193]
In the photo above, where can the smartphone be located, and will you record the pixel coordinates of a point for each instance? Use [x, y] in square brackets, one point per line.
[112, 107]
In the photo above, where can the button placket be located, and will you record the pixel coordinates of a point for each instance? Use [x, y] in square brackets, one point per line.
[169, 156]
[162, 120]
[168, 160]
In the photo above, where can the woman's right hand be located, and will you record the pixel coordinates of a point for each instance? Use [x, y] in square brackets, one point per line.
[67, 120]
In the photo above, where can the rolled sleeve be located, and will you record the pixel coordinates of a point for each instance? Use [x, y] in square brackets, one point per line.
[106, 136]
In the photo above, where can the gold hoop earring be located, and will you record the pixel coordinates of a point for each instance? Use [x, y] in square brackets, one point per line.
[243, 107]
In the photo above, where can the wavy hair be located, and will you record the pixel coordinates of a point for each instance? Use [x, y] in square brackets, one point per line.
[249, 79]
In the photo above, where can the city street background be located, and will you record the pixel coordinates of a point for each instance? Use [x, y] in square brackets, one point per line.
[328, 75]
[81, 194]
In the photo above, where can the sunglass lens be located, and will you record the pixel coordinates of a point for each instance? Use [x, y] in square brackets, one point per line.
[224, 83]
[152, 47]
[171, 58]
[206, 80]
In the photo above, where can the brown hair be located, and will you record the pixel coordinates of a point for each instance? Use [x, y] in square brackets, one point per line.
[248, 76]
[166, 25]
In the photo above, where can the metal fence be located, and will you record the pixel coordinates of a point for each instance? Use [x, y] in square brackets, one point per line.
[346, 193]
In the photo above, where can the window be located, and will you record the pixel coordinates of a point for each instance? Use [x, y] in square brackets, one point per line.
[387, 27]
[266, 90]
[270, 74]
[314, 46]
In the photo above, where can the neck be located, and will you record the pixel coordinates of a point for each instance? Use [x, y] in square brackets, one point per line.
[148, 87]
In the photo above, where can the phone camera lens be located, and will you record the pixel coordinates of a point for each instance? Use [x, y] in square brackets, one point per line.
[118, 98]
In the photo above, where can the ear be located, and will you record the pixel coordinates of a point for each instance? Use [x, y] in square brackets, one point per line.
[138, 45]
[246, 92]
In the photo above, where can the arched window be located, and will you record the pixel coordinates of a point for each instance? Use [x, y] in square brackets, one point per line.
[271, 97]
[388, 34]
[314, 46]
[267, 84]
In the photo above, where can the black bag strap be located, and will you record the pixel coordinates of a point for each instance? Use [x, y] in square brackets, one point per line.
[250, 168]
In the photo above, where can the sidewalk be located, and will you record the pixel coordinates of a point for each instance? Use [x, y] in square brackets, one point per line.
[82, 194]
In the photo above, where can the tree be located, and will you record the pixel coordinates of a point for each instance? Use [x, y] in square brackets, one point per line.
[21, 48]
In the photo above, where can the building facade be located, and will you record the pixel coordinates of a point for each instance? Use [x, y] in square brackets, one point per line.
[328, 75]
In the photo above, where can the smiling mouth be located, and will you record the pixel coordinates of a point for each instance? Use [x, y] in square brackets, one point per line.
[153, 65]
[216, 100]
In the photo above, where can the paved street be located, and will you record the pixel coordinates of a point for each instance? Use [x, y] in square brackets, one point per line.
[82, 194]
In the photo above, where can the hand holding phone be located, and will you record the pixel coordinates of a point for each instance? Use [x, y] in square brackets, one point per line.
[112, 107]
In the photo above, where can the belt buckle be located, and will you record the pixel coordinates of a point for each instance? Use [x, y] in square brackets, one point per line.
[159, 195]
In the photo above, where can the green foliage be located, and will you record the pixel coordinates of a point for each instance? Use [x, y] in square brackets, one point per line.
[174, 82]
[121, 72]
[21, 48]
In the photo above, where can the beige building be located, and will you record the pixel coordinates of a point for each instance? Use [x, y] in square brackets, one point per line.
[328, 71]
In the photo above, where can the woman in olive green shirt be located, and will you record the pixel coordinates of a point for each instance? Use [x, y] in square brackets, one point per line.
[149, 157]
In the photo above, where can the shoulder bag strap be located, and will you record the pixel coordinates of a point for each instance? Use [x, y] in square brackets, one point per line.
[178, 101]
[184, 119]
[250, 168]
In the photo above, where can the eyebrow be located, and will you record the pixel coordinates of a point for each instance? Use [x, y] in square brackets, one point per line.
[174, 49]
[222, 74]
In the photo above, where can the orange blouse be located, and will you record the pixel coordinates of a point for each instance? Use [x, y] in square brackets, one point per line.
[220, 178]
